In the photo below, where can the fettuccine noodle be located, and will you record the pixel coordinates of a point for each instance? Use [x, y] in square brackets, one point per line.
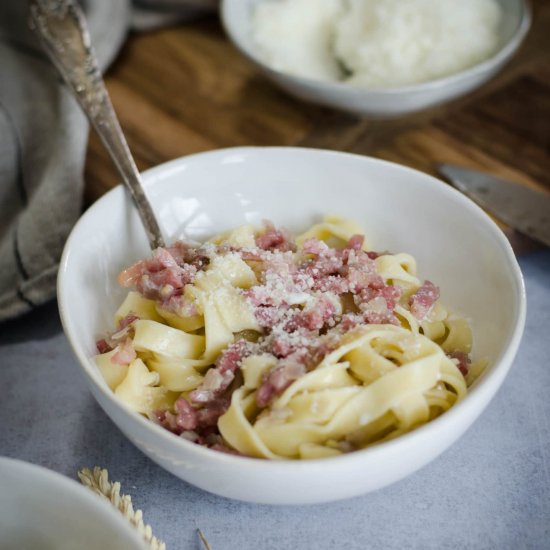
[272, 347]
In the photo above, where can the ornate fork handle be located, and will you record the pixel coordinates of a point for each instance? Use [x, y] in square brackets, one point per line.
[62, 30]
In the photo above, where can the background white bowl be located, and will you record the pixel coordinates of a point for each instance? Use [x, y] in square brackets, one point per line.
[455, 243]
[387, 102]
[43, 509]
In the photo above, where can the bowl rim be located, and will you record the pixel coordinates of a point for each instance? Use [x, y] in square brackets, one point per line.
[495, 60]
[482, 390]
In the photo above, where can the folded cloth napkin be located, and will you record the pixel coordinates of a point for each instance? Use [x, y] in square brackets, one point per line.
[43, 139]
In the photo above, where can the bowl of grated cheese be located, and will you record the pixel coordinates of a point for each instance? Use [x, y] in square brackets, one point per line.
[377, 59]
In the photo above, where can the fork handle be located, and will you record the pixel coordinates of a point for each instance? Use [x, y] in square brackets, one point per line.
[62, 30]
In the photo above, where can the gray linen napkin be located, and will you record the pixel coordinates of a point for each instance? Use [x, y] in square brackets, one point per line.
[43, 139]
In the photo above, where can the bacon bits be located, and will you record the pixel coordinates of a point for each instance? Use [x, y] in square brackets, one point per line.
[422, 301]
[304, 302]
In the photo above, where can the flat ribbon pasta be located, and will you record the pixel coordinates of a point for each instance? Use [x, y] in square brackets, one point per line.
[379, 373]
[334, 231]
[256, 344]
[400, 270]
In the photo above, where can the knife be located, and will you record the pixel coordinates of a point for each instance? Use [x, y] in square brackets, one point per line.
[522, 208]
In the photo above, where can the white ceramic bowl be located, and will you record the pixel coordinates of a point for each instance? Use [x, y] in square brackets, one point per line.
[387, 102]
[43, 509]
[455, 243]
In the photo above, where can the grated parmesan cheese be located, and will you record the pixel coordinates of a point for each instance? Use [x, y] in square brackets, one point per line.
[376, 43]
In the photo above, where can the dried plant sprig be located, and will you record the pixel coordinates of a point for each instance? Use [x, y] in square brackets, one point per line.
[98, 481]
[204, 541]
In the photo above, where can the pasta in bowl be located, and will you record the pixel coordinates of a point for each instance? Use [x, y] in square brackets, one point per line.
[315, 355]
[272, 347]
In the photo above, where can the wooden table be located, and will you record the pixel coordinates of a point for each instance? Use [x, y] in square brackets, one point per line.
[186, 89]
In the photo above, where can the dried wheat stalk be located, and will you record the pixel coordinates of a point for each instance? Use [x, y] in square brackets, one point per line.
[205, 542]
[98, 481]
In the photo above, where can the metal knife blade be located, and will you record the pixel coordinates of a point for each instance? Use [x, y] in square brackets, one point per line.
[524, 209]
